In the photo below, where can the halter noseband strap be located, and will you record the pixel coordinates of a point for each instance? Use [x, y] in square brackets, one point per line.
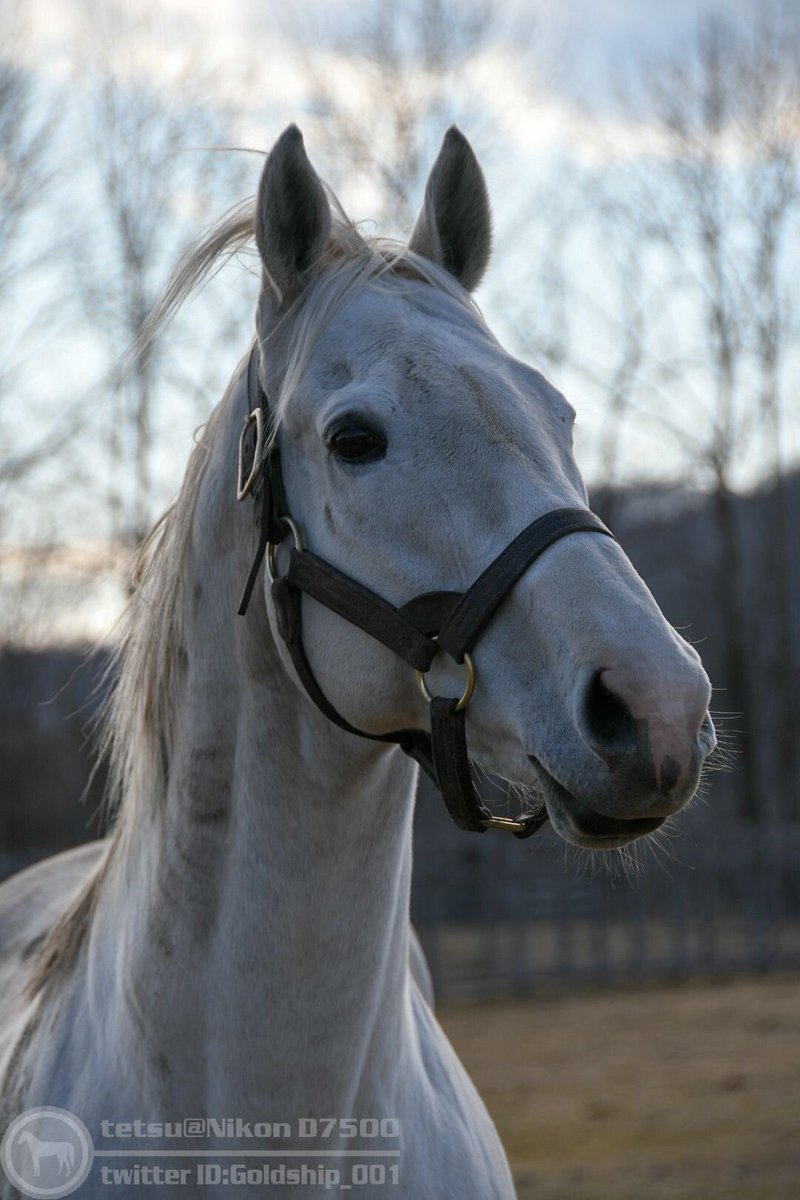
[416, 631]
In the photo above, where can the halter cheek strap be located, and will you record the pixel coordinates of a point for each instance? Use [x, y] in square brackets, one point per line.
[417, 631]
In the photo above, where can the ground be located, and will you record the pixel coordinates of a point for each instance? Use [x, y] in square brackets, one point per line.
[681, 1092]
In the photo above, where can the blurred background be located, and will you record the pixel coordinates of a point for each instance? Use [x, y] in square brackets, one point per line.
[632, 1024]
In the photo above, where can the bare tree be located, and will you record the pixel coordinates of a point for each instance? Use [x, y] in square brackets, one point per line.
[700, 229]
[670, 273]
[25, 141]
[158, 174]
[383, 88]
[769, 91]
[31, 434]
[728, 113]
[101, 185]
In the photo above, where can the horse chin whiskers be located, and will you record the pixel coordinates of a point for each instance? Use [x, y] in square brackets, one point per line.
[625, 863]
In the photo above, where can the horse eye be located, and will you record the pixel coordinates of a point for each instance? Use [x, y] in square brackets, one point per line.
[355, 444]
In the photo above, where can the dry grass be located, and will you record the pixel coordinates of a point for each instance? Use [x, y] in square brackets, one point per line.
[685, 1092]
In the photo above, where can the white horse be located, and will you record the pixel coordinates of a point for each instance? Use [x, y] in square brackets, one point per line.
[240, 945]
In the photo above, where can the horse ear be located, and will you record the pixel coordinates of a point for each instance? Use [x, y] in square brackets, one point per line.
[293, 217]
[454, 228]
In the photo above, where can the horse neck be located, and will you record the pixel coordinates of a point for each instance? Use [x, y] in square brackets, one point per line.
[265, 899]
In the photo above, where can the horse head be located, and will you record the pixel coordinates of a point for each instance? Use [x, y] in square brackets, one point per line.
[414, 447]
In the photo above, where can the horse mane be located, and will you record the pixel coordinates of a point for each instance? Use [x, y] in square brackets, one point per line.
[138, 719]
[135, 729]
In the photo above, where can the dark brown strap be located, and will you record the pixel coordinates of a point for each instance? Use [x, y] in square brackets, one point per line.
[442, 755]
[429, 612]
[479, 603]
[454, 775]
[261, 548]
[451, 764]
[457, 618]
[268, 491]
[288, 601]
[361, 607]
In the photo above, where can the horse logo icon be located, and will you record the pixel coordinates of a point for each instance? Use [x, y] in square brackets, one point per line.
[46, 1152]
[63, 1151]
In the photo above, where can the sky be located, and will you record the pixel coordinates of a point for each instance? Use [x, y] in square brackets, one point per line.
[590, 39]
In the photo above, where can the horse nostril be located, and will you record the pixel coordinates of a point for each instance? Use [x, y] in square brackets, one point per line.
[608, 722]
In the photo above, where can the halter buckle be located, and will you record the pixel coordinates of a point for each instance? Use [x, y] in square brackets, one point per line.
[244, 486]
[509, 823]
[294, 528]
[469, 686]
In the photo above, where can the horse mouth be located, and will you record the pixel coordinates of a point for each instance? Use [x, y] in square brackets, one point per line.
[577, 823]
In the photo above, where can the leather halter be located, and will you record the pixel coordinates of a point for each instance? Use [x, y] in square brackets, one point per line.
[417, 631]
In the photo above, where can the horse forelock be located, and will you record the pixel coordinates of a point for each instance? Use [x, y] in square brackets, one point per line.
[351, 260]
[350, 265]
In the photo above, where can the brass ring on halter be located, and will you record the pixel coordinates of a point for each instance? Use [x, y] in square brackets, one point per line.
[273, 546]
[504, 823]
[245, 486]
[469, 686]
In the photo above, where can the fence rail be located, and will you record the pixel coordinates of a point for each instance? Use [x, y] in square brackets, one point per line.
[505, 917]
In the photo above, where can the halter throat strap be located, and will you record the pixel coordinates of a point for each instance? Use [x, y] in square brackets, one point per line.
[416, 631]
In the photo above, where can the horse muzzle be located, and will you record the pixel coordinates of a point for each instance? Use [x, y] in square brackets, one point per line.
[640, 754]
